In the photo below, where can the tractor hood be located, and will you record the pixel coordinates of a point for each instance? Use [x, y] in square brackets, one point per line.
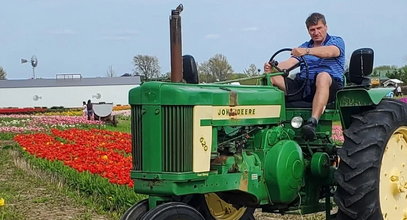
[163, 93]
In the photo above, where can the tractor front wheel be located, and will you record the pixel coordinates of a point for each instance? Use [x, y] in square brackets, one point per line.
[372, 173]
[173, 211]
[136, 211]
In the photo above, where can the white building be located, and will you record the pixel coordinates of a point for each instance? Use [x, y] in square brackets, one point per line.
[66, 90]
[392, 82]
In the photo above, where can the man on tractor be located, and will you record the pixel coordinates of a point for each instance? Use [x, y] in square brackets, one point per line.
[325, 57]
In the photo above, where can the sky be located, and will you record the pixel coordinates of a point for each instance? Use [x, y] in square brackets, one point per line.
[90, 37]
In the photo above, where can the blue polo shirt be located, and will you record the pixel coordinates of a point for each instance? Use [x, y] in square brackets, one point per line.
[334, 66]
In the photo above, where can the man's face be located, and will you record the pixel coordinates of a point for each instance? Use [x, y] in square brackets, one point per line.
[318, 32]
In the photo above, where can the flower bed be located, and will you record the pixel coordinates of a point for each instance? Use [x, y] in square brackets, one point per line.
[21, 110]
[403, 100]
[121, 107]
[337, 135]
[100, 152]
[33, 123]
[62, 112]
[125, 113]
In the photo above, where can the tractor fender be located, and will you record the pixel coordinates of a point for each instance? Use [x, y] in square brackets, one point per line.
[351, 101]
[361, 96]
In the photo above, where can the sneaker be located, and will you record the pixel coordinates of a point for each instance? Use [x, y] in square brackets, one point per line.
[309, 129]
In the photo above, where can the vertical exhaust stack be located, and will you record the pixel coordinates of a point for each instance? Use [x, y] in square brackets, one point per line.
[176, 44]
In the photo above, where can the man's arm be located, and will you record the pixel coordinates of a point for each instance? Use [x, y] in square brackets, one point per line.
[322, 51]
[290, 62]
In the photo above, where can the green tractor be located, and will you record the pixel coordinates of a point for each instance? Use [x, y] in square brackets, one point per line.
[220, 151]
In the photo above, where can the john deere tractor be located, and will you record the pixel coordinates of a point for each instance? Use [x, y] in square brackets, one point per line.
[220, 151]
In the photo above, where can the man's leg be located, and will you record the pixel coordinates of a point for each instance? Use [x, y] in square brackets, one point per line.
[279, 82]
[323, 83]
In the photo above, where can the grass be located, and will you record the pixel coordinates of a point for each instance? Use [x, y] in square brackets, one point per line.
[30, 193]
[124, 125]
[6, 136]
[9, 191]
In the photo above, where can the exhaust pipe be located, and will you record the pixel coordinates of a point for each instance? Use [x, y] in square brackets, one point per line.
[176, 44]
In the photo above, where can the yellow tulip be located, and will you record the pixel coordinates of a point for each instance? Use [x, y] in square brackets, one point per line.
[2, 202]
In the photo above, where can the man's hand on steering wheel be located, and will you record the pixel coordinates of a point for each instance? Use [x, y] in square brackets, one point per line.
[268, 68]
[287, 66]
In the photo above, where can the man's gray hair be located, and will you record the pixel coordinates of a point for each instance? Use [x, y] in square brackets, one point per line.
[314, 18]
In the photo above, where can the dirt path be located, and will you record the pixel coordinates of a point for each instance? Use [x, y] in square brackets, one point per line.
[31, 196]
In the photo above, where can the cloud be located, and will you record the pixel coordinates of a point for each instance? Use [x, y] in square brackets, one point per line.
[65, 31]
[212, 36]
[249, 29]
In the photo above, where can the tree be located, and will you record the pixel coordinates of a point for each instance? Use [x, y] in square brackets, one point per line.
[3, 73]
[216, 68]
[396, 74]
[167, 75]
[110, 72]
[147, 66]
[381, 71]
[391, 72]
[403, 69]
[252, 70]
[204, 73]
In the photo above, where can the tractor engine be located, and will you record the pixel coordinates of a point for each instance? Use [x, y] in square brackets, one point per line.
[233, 139]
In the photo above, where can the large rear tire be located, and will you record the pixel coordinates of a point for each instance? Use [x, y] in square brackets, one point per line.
[212, 207]
[173, 211]
[372, 173]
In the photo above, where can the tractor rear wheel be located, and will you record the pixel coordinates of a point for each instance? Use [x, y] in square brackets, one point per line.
[212, 207]
[173, 211]
[372, 173]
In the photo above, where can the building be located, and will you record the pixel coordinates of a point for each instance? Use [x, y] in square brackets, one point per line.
[67, 90]
[392, 82]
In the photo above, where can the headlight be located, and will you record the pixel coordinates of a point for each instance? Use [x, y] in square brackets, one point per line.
[296, 122]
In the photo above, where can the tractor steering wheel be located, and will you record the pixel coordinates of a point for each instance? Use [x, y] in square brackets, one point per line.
[286, 72]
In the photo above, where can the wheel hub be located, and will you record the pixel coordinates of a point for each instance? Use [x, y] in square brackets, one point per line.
[393, 176]
[222, 210]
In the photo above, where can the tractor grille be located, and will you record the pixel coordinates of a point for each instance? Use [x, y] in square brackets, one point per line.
[177, 138]
[176, 128]
[136, 137]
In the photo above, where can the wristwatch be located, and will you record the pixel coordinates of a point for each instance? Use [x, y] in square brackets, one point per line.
[307, 50]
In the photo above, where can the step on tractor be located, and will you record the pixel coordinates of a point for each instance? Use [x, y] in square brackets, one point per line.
[221, 150]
